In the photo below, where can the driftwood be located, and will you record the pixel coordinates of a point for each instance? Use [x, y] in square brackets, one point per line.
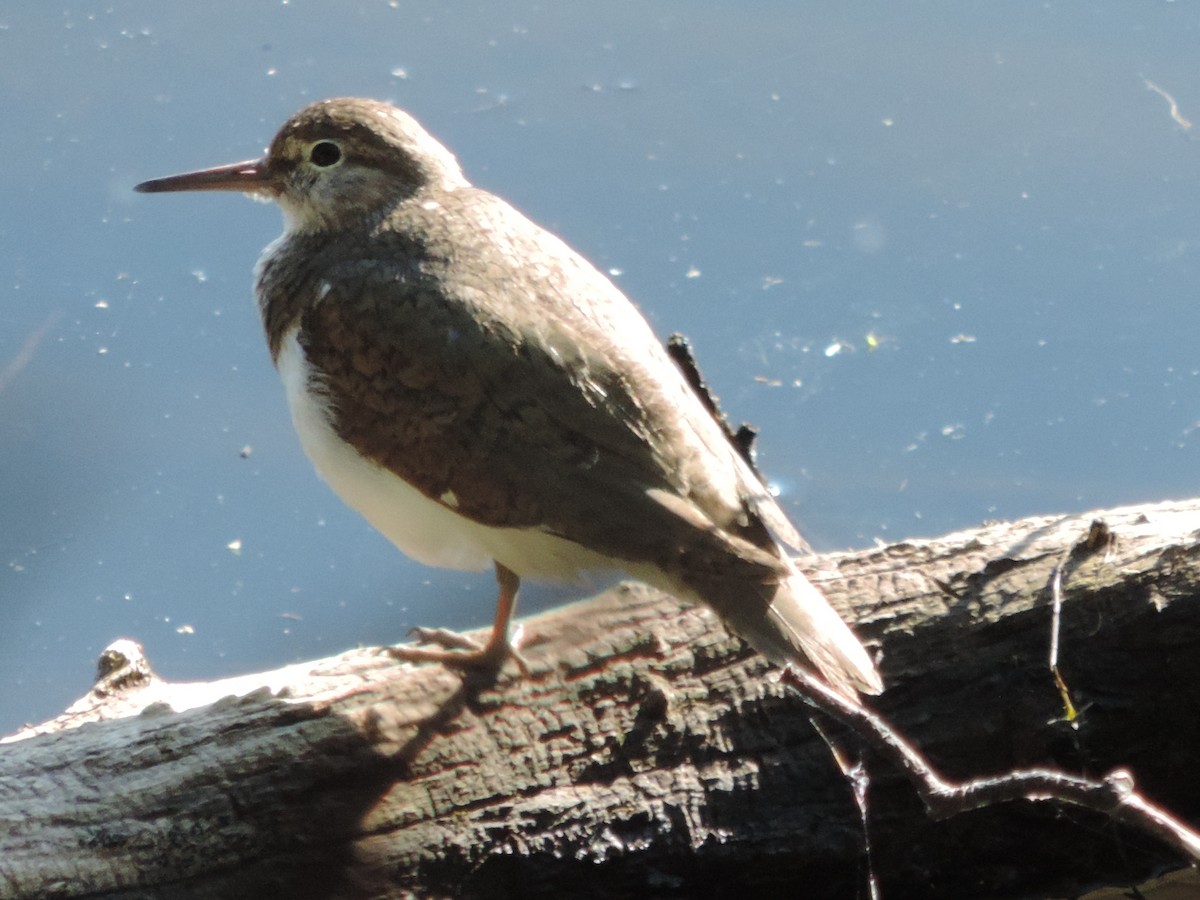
[648, 753]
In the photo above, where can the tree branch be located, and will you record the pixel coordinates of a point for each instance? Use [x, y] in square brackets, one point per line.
[1113, 796]
[649, 753]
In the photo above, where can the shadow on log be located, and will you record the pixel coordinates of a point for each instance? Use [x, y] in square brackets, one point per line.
[648, 753]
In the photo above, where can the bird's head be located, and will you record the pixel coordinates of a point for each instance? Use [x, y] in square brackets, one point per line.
[334, 163]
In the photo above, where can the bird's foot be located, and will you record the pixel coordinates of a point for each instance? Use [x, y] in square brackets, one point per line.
[461, 652]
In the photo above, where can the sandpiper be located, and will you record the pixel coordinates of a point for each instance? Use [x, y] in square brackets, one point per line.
[483, 395]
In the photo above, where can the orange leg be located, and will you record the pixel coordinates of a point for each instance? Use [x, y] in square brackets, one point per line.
[461, 652]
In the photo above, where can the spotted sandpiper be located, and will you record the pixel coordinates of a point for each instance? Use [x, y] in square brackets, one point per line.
[482, 394]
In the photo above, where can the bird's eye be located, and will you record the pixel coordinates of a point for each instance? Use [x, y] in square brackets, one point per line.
[325, 154]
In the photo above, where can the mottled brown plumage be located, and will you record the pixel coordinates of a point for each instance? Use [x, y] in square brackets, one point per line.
[449, 362]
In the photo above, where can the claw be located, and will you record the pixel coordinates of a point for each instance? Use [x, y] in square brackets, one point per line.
[444, 637]
[462, 652]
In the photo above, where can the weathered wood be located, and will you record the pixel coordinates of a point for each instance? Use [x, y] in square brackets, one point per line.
[648, 754]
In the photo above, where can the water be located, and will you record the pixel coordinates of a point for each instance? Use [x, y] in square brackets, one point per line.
[944, 256]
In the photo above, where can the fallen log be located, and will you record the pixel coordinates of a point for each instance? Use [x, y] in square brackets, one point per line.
[648, 753]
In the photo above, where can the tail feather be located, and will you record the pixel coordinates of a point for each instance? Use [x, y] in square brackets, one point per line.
[804, 617]
[766, 600]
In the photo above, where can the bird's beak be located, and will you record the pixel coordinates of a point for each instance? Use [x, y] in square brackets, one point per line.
[249, 177]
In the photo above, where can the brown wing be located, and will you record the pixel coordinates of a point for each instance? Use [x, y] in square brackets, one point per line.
[499, 373]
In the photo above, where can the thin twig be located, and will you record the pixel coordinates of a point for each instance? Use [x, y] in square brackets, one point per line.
[1114, 796]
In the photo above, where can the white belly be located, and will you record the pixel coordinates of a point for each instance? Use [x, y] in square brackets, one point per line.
[424, 529]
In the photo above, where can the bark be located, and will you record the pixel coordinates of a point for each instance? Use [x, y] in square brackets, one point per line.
[648, 753]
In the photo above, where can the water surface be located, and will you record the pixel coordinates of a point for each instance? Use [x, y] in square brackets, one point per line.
[944, 255]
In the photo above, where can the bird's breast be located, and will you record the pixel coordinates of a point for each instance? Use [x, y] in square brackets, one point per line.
[424, 528]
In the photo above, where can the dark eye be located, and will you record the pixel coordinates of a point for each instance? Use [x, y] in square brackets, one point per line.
[325, 154]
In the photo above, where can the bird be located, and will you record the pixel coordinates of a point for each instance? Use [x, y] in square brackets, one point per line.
[483, 395]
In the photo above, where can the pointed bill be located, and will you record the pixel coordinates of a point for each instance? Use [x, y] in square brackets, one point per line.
[249, 177]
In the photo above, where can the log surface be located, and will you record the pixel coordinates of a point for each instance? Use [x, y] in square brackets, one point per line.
[648, 753]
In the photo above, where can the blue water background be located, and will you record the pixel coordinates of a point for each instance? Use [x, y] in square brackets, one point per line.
[944, 254]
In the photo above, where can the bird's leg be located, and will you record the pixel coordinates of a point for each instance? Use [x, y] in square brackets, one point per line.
[461, 652]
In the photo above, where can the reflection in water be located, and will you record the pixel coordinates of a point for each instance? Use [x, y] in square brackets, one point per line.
[25, 352]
